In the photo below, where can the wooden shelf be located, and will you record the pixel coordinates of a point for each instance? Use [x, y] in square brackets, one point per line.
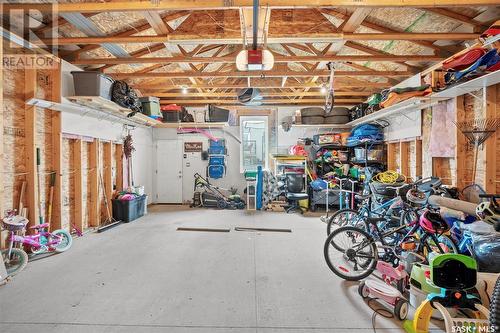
[192, 125]
[106, 106]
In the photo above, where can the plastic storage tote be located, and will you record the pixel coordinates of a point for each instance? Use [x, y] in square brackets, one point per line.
[92, 84]
[216, 160]
[216, 171]
[216, 114]
[150, 106]
[171, 116]
[128, 210]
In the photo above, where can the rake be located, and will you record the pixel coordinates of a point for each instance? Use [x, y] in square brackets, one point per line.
[477, 131]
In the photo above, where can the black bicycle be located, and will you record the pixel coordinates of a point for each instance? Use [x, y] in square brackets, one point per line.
[352, 253]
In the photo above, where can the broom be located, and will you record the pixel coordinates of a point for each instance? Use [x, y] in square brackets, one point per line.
[476, 132]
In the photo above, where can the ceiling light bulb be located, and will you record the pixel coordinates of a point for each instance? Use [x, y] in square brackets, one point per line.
[184, 90]
[323, 90]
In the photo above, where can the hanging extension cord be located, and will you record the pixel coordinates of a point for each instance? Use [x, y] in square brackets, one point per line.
[380, 311]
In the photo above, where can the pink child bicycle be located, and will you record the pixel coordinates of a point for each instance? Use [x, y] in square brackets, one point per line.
[42, 241]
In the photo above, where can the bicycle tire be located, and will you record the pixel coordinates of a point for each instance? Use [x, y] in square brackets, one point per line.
[14, 267]
[495, 307]
[370, 266]
[449, 243]
[335, 219]
[61, 247]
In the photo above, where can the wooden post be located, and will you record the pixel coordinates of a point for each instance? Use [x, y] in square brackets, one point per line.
[94, 207]
[119, 166]
[2, 234]
[30, 145]
[418, 157]
[461, 148]
[76, 159]
[404, 159]
[57, 164]
[107, 172]
[391, 156]
[490, 146]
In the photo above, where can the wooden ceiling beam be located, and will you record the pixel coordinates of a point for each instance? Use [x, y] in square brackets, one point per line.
[376, 52]
[338, 86]
[281, 94]
[230, 59]
[156, 22]
[139, 53]
[278, 101]
[366, 23]
[317, 38]
[124, 6]
[129, 32]
[458, 18]
[263, 74]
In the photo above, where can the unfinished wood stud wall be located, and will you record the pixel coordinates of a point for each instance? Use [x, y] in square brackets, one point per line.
[94, 204]
[404, 158]
[56, 134]
[107, 173]
[76, 159]
[490, 147]
[30, 136]
[119, 166]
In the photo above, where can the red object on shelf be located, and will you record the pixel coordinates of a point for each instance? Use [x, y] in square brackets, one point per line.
[464, 60]
[171, 107]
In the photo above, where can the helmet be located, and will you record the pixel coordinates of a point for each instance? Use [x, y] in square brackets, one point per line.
[433, 222]
[486, 212]
[417, 197]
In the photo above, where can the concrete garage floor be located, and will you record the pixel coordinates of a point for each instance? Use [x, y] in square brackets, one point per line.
[147, 277]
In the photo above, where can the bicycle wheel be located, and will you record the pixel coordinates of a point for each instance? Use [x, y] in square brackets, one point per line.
[340, 218]
[445, 243]
[16, 262]
[495, 308]
[350, 253]
[65, 240]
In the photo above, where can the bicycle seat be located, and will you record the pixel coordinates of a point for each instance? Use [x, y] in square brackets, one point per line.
[40, 226]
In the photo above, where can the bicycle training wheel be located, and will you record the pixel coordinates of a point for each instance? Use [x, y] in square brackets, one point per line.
[16, 262]
[350, 253]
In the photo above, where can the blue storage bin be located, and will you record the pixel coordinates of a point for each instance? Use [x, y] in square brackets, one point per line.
[218, 143]
[217, 150]
[216, 160]
[216, 171]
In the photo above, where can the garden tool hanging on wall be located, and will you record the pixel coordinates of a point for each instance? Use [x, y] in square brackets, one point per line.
[477, 131]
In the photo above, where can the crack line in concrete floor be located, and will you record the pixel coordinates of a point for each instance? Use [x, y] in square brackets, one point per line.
[202, 326]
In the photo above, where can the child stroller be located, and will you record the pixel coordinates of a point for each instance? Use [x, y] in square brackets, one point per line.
[208, 195]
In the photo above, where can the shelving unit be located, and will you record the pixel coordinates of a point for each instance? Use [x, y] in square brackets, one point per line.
[419, 103]
[106, 106]
[97, 105]
[416, 103]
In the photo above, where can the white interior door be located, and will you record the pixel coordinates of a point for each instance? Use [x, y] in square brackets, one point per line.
[169, 171]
